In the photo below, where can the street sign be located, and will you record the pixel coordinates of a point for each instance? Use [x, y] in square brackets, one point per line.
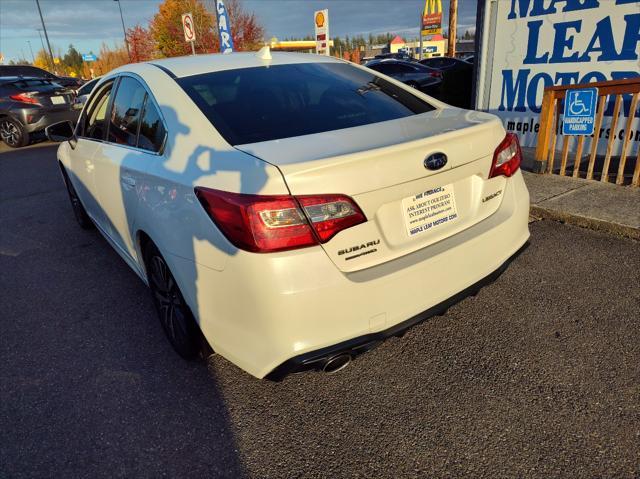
[89, 57]
[431, 18]
[321, 20]
[580, 111]
[187, 26]
[224, 28]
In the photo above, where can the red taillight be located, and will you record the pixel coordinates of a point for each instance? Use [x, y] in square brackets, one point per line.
[507, 157]
[436, 74]
[24, 98]
[261, 223]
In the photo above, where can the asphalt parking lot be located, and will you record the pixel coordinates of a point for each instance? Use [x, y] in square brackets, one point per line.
[536, 376]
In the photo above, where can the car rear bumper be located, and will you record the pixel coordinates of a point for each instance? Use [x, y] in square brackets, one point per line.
[283, 312]
[37, 119]
[354, 347]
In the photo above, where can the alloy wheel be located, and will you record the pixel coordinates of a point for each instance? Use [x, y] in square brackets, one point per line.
[9, 133]
[169, 302]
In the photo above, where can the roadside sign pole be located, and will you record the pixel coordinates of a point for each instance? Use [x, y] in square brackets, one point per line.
[189, 31]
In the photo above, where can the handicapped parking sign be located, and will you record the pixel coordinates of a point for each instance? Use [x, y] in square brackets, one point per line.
[580, 111]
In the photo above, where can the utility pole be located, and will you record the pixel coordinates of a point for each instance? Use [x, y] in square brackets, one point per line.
[124, 31]
[44, 29]
[33, 57]
[453, 21]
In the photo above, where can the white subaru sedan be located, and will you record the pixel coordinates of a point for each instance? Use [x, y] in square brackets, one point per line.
[292, 210]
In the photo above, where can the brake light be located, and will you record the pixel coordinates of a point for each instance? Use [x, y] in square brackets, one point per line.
[507, 157]
[436, 74]
[24, 98]
[262, 224]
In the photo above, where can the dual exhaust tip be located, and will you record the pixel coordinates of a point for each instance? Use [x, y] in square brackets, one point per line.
[336, 363]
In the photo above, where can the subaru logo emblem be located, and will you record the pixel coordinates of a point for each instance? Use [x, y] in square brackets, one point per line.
[435, 161]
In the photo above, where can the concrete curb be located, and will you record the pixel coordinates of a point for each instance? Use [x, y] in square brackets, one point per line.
[541, 212]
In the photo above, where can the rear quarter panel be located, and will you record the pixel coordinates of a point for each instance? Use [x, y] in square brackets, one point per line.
[194, 155]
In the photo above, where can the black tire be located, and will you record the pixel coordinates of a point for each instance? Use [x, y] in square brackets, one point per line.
[78, 209]
[13, 133]
[174, 313]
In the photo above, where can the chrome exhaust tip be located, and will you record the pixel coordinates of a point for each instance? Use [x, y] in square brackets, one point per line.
[336, 363]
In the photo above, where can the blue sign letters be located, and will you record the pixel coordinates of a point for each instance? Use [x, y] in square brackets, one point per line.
[226, 41]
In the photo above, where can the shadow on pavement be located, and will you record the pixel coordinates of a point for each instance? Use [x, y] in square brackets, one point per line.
[90, 386]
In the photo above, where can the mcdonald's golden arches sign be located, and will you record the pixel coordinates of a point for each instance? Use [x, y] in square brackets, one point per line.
[432, 17]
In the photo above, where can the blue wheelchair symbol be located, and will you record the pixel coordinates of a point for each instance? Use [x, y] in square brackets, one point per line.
[580, 102]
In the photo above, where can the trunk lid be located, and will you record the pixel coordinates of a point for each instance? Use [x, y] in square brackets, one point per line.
[381, 166]
[48, 94]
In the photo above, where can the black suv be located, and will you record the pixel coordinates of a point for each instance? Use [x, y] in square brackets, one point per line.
[35, 72]
[29, 105]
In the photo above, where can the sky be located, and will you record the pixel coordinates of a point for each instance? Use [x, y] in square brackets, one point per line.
[88, 23]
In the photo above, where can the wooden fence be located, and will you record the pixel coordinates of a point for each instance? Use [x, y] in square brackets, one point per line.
[550, 118]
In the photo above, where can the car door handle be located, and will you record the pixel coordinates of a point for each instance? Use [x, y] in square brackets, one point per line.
[128, 180]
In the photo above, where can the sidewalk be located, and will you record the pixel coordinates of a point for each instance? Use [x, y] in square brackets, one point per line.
[590, 204]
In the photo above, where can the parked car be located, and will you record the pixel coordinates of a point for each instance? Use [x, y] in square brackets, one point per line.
[457, 85]
[84, 91]
[442, 63]
[291, 210]
[395, 56]
[35, 72]
[29, 105]
[412, 73]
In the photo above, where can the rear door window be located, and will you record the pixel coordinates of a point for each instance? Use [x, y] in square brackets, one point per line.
[126, 111]
[266, 103]
[152, 130]
[94, 123]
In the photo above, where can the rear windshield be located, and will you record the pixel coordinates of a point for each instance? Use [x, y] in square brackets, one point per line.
[23, 70]
[35, 85]
[267, 103]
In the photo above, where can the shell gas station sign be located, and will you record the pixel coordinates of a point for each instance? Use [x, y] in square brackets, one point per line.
[321, 21]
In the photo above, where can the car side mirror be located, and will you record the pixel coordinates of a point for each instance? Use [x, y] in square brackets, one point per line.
[61, 131]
